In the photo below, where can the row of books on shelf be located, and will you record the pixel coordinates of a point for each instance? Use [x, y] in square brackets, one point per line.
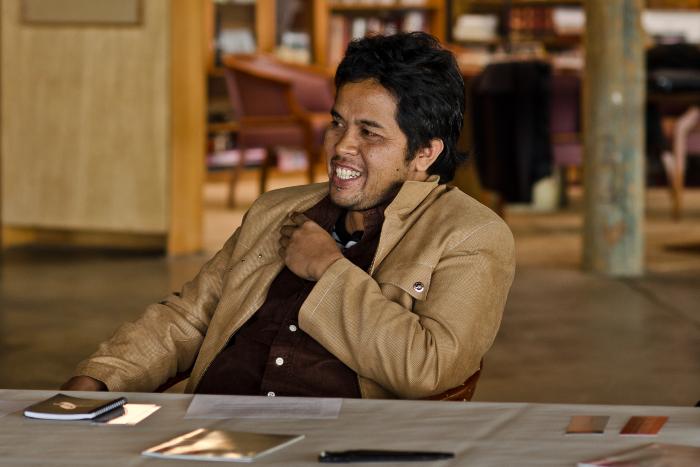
[521, 22]
[531, 21]
[382, 3]
[343, 29]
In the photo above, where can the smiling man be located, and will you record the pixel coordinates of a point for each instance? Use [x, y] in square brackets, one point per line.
[384, 282]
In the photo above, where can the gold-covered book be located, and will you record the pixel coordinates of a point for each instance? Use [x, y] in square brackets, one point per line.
[221, 445]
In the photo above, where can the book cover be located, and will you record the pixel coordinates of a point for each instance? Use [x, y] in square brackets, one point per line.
[63, 407]
[651, 455]
[220, 445]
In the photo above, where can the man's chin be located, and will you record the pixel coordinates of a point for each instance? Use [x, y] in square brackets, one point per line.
[344, 202]
[357, 202]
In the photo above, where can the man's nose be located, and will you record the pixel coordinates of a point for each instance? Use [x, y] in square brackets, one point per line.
[347, 142]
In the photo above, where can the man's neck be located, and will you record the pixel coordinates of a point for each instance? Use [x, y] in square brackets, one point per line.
[354, 221]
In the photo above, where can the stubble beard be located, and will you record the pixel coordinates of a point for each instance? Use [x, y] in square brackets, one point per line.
[363, 204]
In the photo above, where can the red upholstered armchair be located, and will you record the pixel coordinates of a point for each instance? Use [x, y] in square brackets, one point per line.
[565, 125]
[277, 105]
[686, 141]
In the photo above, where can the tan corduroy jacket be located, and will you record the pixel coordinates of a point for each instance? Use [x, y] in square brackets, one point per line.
[417, 324]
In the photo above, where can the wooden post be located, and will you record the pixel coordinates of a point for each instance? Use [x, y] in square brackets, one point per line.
[614, 97]
[187, 126]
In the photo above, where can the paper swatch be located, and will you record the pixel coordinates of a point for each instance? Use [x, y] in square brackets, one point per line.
[587, 424]
[216, 407]
[643, 426]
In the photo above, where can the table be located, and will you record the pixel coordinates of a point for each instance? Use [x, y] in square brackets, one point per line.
[480, 434]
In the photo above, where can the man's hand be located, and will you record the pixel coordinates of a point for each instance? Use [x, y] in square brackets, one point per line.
[83, 383]
[306, 248]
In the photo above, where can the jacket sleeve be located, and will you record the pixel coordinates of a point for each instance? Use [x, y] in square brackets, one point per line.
[436, 345]
[165, 340]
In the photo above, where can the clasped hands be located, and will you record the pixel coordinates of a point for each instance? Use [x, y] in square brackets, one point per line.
[307, 249]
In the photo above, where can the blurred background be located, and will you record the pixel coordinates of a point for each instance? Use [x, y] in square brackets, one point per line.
[134, 135]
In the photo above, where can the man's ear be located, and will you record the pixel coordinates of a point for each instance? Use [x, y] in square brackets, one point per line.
[425, 157]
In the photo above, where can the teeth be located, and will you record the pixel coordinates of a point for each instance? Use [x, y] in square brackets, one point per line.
[346, 174]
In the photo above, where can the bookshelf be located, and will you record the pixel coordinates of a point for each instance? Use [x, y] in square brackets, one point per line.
[534, 20]
[302, 31]
[516, 21]
[237, 26]
[673, 4]
[336, 22]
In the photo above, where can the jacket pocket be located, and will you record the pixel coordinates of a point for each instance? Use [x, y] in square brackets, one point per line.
[411, 278]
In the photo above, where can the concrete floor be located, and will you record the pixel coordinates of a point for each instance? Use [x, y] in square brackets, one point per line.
[567, 336]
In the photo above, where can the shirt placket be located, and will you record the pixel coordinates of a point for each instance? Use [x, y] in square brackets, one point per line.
[280, 361]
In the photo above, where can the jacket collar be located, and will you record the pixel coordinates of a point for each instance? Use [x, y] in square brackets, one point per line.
[411, 194]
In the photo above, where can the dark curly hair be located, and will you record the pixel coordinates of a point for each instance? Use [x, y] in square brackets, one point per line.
[426, 82]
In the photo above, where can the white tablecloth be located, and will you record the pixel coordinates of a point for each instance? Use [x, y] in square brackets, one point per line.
[480, 434]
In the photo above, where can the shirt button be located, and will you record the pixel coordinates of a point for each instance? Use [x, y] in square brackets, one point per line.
[418, 287]
[270, 394]
[279, 361]
[292, 328]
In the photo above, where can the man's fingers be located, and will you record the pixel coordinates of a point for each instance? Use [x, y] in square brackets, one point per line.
[298, 218]
[287, 230]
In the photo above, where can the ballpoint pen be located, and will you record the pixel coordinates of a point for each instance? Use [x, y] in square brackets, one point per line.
[374, 455]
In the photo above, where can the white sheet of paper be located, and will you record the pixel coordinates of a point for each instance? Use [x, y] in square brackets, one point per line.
[133, 413]
[8, 407]
[212, 406]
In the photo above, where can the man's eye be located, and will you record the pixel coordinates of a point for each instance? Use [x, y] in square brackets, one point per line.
[335, 124]
[368, 133]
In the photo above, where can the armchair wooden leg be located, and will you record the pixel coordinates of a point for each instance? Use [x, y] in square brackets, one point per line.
[671, 169]
[311, 153]
[235, 176]
[312, 160]
[264, 168]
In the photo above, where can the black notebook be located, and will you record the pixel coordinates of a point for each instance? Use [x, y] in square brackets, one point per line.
[63, 407]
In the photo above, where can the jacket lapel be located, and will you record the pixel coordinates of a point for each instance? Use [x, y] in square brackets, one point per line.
[401, 214]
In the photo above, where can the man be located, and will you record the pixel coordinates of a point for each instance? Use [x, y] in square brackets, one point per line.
[382, 283]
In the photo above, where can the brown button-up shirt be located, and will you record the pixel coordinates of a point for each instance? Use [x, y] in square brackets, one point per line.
[270, 354]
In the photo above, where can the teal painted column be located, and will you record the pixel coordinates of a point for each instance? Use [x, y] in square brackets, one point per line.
[613, 126]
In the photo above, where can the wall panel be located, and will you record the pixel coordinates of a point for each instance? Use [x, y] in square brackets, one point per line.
[86, 122]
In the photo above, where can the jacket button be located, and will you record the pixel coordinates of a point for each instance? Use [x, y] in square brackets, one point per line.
[418, 287]
[279, 361]
[270, 394]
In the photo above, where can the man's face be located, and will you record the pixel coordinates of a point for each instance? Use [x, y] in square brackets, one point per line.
[365, 148]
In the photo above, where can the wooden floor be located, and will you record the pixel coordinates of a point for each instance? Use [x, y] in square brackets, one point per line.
[567, 336]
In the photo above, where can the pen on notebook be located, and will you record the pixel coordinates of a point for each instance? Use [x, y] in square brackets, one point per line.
[371, 455]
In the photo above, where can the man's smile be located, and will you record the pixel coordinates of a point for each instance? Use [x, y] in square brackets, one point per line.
[346, 174]
[343, 177]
